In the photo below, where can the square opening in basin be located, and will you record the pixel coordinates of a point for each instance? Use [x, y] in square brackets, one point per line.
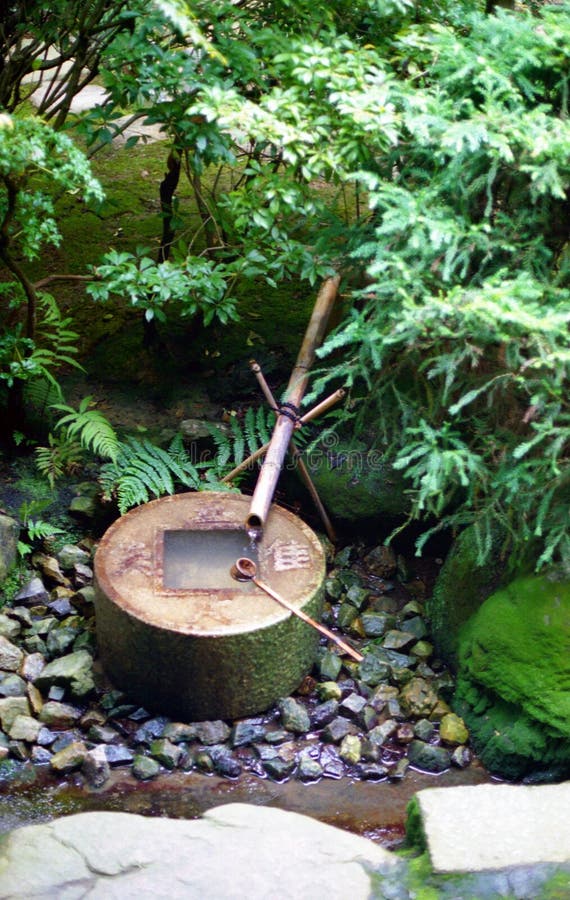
[202, 560]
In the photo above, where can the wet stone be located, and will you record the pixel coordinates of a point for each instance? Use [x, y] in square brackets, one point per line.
[373, 671]
[145, 767]
[329, 666]
[368, 718]
[10, 708]
[277, 736]
[168, 754]
[19, 750]
[461, 757]
[424, 729]
[64, 739]
[70, 758]
[394, 709]
[210, 733]
[19, 614]
[95, 767]
[423, 650]
[34, 644]
[336, 730]
[152, 729]
[69, 555]
[418, 698]
[428, 757]
[203, 761]
[381, 733]
[309, 769]
[40, 756]
[350, 749]
[82, 574]
[224, 763]
[416, 626]
[352, 706]
[83, 600]
[375, 624]
[277, 768]
[45, 737]
[12, 686]
[397, 640]
[405, 733]
[118, 755]
[56, 693]
[294, 716]
[346, 615]
[247, 733]
[177, 732]
[74, 672]
[452, 730]
[59, 714]
[381, 561]
[357, 596]
[103, 734]
[35, 699]
[333, 766]
[398, 771]
[324, 713]
[32, 666]
[329, 690]
[371, 771]
[370, 751]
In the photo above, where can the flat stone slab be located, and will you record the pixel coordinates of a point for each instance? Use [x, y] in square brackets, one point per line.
[234, 851]
[488, 826]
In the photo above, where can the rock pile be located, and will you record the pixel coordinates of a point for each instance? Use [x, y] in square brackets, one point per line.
[370, 720]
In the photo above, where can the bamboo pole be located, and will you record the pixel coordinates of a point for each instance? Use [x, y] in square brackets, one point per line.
[297, 457]
[321, 407]
[246, 570]
[285, 425]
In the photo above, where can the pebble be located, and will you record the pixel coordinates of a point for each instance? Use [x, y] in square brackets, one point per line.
[345, 719]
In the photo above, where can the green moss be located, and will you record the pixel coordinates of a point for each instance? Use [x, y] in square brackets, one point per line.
[513, 685]
[415, 834]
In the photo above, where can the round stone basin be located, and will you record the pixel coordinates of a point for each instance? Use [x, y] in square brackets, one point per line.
[178, 633]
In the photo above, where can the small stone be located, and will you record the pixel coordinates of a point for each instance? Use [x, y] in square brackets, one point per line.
[9, 628]
[59, 715]
[56, 693]
[278, 769]
[397, 640]
[103, 734]
[352, 706]
[59, 640]
[150, 730]
[49, 567]
[400, 769]
[244, 733]
[64, 739]
[92, 717]
[411, 608]
[118, 755]
[418, 698]
[336, 730]
[82, 575]
[375, 624]
[329, 690]
[370, 751]
[346, 615]
[428, 757]
[357, 596]
[167, 754]
[43, 625]
[70, 554]
[21, 614]
[70, 758]
[452, 730]
[204, 761]
[416, 626]
[177, 732]
[84, 508]
[368, 718]
[381, 733]
[210, 733]
[405, 733]
[11, 657]
[423, 650]
[381, 696]
[461, 757]
[333, 766]
[61, 607]
[424, 729]
[34, 644]
[371, 771]
[12, 686]
[95, 767]
[74, 672]
[294, 716]
[10, 708]
[224, 763]
[394, 709]
[440, 710]
[40, 756]
[19, 750]
[25, 728]
[83, 600]
[381, 561]
[350, 749]
[277, 736]
[329, 666]
[309, 768]
[373, 671]
[145, 768]
[33, 593]
[324, 713]
[45, 737]
[32, 666]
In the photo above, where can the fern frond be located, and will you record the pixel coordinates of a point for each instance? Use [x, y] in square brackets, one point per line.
[91, 427]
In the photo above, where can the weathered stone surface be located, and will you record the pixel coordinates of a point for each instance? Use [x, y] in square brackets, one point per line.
[487, 827]
[350, 749]
[428, 757]
[127, 856]
[12, 686]
[95, 767]
[418, 698]
[70, 758]
[145, 767]
[73, 672]
[69, 555]
[452, 730]
[10, 708]
[25, 728]
[59, 714]
[294, 715]
[33, 593]
[10, 628]
[10, 655]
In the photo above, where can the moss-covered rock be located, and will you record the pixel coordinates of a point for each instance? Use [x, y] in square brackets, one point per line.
[461, 587]
[356, 480]
[513, 684]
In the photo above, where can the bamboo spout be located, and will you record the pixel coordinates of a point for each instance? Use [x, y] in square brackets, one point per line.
[285, 425]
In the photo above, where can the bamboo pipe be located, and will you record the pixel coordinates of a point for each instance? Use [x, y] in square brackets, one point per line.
[246, 570]
[285, 425]
[297, 456]
[321, 407]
